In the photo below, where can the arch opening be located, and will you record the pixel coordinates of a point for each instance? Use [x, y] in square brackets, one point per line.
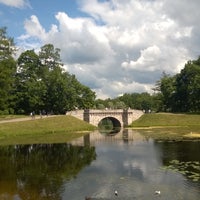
[109, 126]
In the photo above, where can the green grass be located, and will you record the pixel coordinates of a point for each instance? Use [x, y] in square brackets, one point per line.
[167, 126]
[166, 119]
[46, 130]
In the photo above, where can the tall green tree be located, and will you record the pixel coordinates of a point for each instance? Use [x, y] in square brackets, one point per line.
[42, 84]
[166, 86]
[181, 93]
[29, 87]
[187, 95]
[7, 71]
[54, 79]
[50, 57]
[64, 91]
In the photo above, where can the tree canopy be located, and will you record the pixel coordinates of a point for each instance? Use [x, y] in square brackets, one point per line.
[181, 92]
[38, 82]
[7, 70]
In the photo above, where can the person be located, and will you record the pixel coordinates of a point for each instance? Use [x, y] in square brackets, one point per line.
[33, 114]
[40, 114]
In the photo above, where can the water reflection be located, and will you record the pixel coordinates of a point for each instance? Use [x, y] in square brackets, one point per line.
[39, 171]
[110, 132]
[182, 157]
[97, 165]
[133, 165]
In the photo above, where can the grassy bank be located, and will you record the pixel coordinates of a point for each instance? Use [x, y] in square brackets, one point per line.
[165, 126]
[167, 119]
[46, 130]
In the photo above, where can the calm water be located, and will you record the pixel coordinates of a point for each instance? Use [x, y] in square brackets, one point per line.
[97, 165]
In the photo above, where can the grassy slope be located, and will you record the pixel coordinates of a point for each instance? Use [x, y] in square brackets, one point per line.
[165, 126]
[46, 130]
[167, 119]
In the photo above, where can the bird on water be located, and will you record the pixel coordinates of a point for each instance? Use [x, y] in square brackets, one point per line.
[157, 192]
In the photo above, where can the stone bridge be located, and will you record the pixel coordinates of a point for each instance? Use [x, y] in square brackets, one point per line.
[119, 117]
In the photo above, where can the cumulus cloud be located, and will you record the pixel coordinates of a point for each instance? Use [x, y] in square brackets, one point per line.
[15, 3]
[34, 28]
[123, 46]
[147, 60]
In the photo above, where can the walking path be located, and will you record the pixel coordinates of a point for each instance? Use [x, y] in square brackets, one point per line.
[22, 119]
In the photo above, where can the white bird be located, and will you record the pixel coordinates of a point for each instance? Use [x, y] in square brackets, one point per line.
[157, 192]
[116, 193]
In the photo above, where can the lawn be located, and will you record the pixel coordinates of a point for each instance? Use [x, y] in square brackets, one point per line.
[167, 126]
[166, 119]
[46, 130]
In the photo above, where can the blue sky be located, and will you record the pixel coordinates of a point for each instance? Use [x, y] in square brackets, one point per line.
[112, 46]
[13, 16]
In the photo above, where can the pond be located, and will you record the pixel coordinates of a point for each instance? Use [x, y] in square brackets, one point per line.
[97, 165]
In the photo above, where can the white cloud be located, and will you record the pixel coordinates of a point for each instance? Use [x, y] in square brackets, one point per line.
[34, 28]
[123, 46]
[147, 61]
[15, 3]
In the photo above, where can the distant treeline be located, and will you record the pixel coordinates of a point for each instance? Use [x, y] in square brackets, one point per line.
[38, 82]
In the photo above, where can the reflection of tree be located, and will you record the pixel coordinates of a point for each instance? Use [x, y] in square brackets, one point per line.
[182, 157]
[184, 151]
[38, 171]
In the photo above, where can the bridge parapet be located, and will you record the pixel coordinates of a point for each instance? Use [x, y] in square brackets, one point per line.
[76, 113]
[92, 116]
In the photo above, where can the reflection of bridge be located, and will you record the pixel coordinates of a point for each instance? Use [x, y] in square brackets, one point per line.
[118, 117]
[124, 136]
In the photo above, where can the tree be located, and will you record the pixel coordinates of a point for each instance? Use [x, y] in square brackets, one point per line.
[29, 87]
[140, 101]
[64, 91]
[187, 94]
[42, 84]
[7, 71]
[181, 93]
[85, 96]
[166, 86]
[50, 57]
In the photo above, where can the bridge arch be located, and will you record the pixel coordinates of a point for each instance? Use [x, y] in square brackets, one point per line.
[115, 122]
[109, 125]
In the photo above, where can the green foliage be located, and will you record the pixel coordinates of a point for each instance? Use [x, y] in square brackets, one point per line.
[187, 93]
[7, 70]
[143, 101]
[38, 82]
[167, 88]
[45, 130]
[28, 85]
[181, 93]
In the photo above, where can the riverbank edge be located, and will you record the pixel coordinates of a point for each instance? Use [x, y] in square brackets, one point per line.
[54, 129]
[168, 126]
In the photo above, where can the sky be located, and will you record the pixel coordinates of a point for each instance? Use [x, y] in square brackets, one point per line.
[112, 46]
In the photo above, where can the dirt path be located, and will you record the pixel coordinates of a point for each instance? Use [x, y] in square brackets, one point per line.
[22, 119]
